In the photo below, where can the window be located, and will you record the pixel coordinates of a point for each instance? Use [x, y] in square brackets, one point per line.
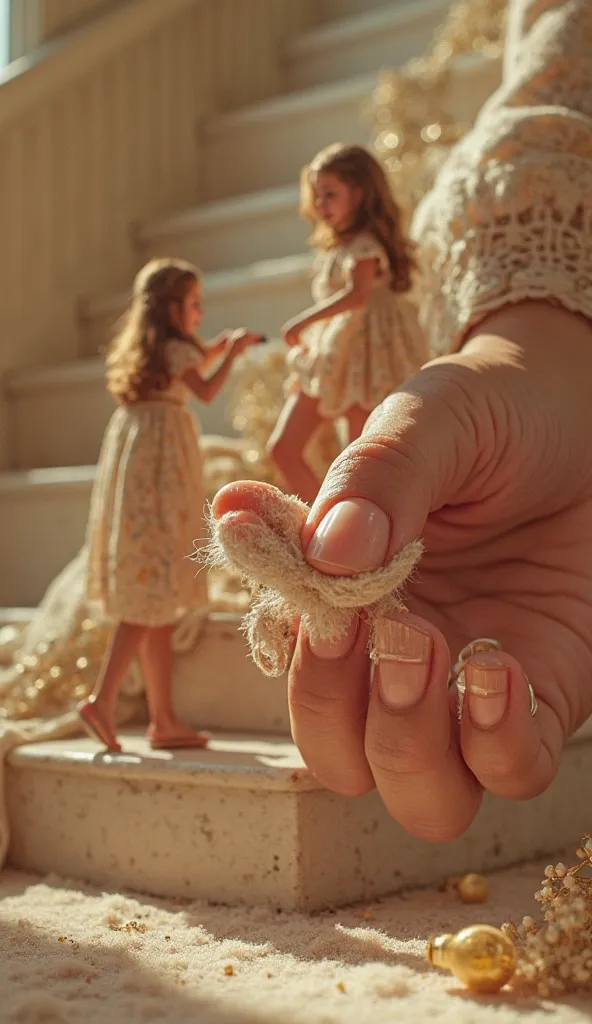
[4, 32]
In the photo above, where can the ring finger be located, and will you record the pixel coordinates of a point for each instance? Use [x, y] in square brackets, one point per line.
[513, 752]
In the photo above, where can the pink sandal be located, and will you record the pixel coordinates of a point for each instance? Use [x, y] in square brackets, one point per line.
[198, 741]
[95, 729]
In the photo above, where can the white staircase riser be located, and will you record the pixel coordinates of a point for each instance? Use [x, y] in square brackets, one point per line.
[218, 686]
[378, 46]
[56, 424]
[244, 152]
[62, 422]
[260, 304]
[233, 243]
[41, 529]
[271, 151]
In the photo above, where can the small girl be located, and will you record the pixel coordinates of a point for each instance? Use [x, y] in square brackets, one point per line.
[360, 340]
[147, 502]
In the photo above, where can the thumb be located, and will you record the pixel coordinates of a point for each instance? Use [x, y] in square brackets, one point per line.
[419, 451]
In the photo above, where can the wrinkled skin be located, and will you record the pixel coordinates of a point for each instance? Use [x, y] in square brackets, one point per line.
[486, 455]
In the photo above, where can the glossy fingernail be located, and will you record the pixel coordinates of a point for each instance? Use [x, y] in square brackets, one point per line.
[488, 690]
[404, 655]
[353, 537]
[338, 648]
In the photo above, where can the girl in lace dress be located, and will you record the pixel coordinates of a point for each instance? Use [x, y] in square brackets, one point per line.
[147, 503]
[360, 339]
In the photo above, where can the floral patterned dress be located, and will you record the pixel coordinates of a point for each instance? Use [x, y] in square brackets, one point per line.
[147, 507]
[356, 358]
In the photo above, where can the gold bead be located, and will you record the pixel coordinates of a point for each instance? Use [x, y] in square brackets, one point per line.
[480, 956]
[472, 889]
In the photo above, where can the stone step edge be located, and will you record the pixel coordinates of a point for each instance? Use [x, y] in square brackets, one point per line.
[250, 206]
[282, 776]
[367, 24]
[85, 371]
[16, 616]
[19, 481]
[301, 102]
[70, 756]
[305, 101]
[258, 276]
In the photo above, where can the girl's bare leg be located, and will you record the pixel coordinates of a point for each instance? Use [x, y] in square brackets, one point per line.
[98, 712]
[156, 658]
[356, 420]
[295, 426]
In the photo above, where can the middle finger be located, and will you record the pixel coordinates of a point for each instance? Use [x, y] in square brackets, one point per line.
[412, 742]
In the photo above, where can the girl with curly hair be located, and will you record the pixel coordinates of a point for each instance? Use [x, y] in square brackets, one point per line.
[147, 501]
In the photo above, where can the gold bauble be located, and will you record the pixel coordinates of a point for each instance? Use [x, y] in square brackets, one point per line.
[480, 956]
[472, 889]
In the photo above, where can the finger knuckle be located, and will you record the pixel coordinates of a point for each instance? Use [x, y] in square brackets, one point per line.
[378, 468]
[317, 704]
[393, 757]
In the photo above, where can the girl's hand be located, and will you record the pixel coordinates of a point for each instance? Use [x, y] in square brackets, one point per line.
[243, 337]
[482, 454]
[239, 345]
[291, 332]
[221, 344]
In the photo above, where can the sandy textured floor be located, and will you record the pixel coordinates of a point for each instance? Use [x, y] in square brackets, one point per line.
[70, 954]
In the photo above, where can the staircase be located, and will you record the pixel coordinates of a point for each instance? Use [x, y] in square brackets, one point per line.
[242, 821]
[245, 235]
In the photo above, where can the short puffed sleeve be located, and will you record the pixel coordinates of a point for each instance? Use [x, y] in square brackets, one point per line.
[182, 356]
[364, 247]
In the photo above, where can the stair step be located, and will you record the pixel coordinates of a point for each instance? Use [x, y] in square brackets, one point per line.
[216, 684]
[386, 36]
[15, 616]
[261, 296]
[266, 145]
[230, 232]
[244, 822]
[43, 515]
[58, 396]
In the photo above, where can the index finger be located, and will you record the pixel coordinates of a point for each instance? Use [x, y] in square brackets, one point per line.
[328, 698]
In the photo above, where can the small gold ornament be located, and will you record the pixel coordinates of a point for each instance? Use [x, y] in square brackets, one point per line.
[480, 956]
[472, 889]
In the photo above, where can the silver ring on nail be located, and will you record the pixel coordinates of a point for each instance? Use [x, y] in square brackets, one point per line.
[457, 672]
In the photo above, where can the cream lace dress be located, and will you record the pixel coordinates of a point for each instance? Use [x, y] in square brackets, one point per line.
[356, 358]
[147, 507]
